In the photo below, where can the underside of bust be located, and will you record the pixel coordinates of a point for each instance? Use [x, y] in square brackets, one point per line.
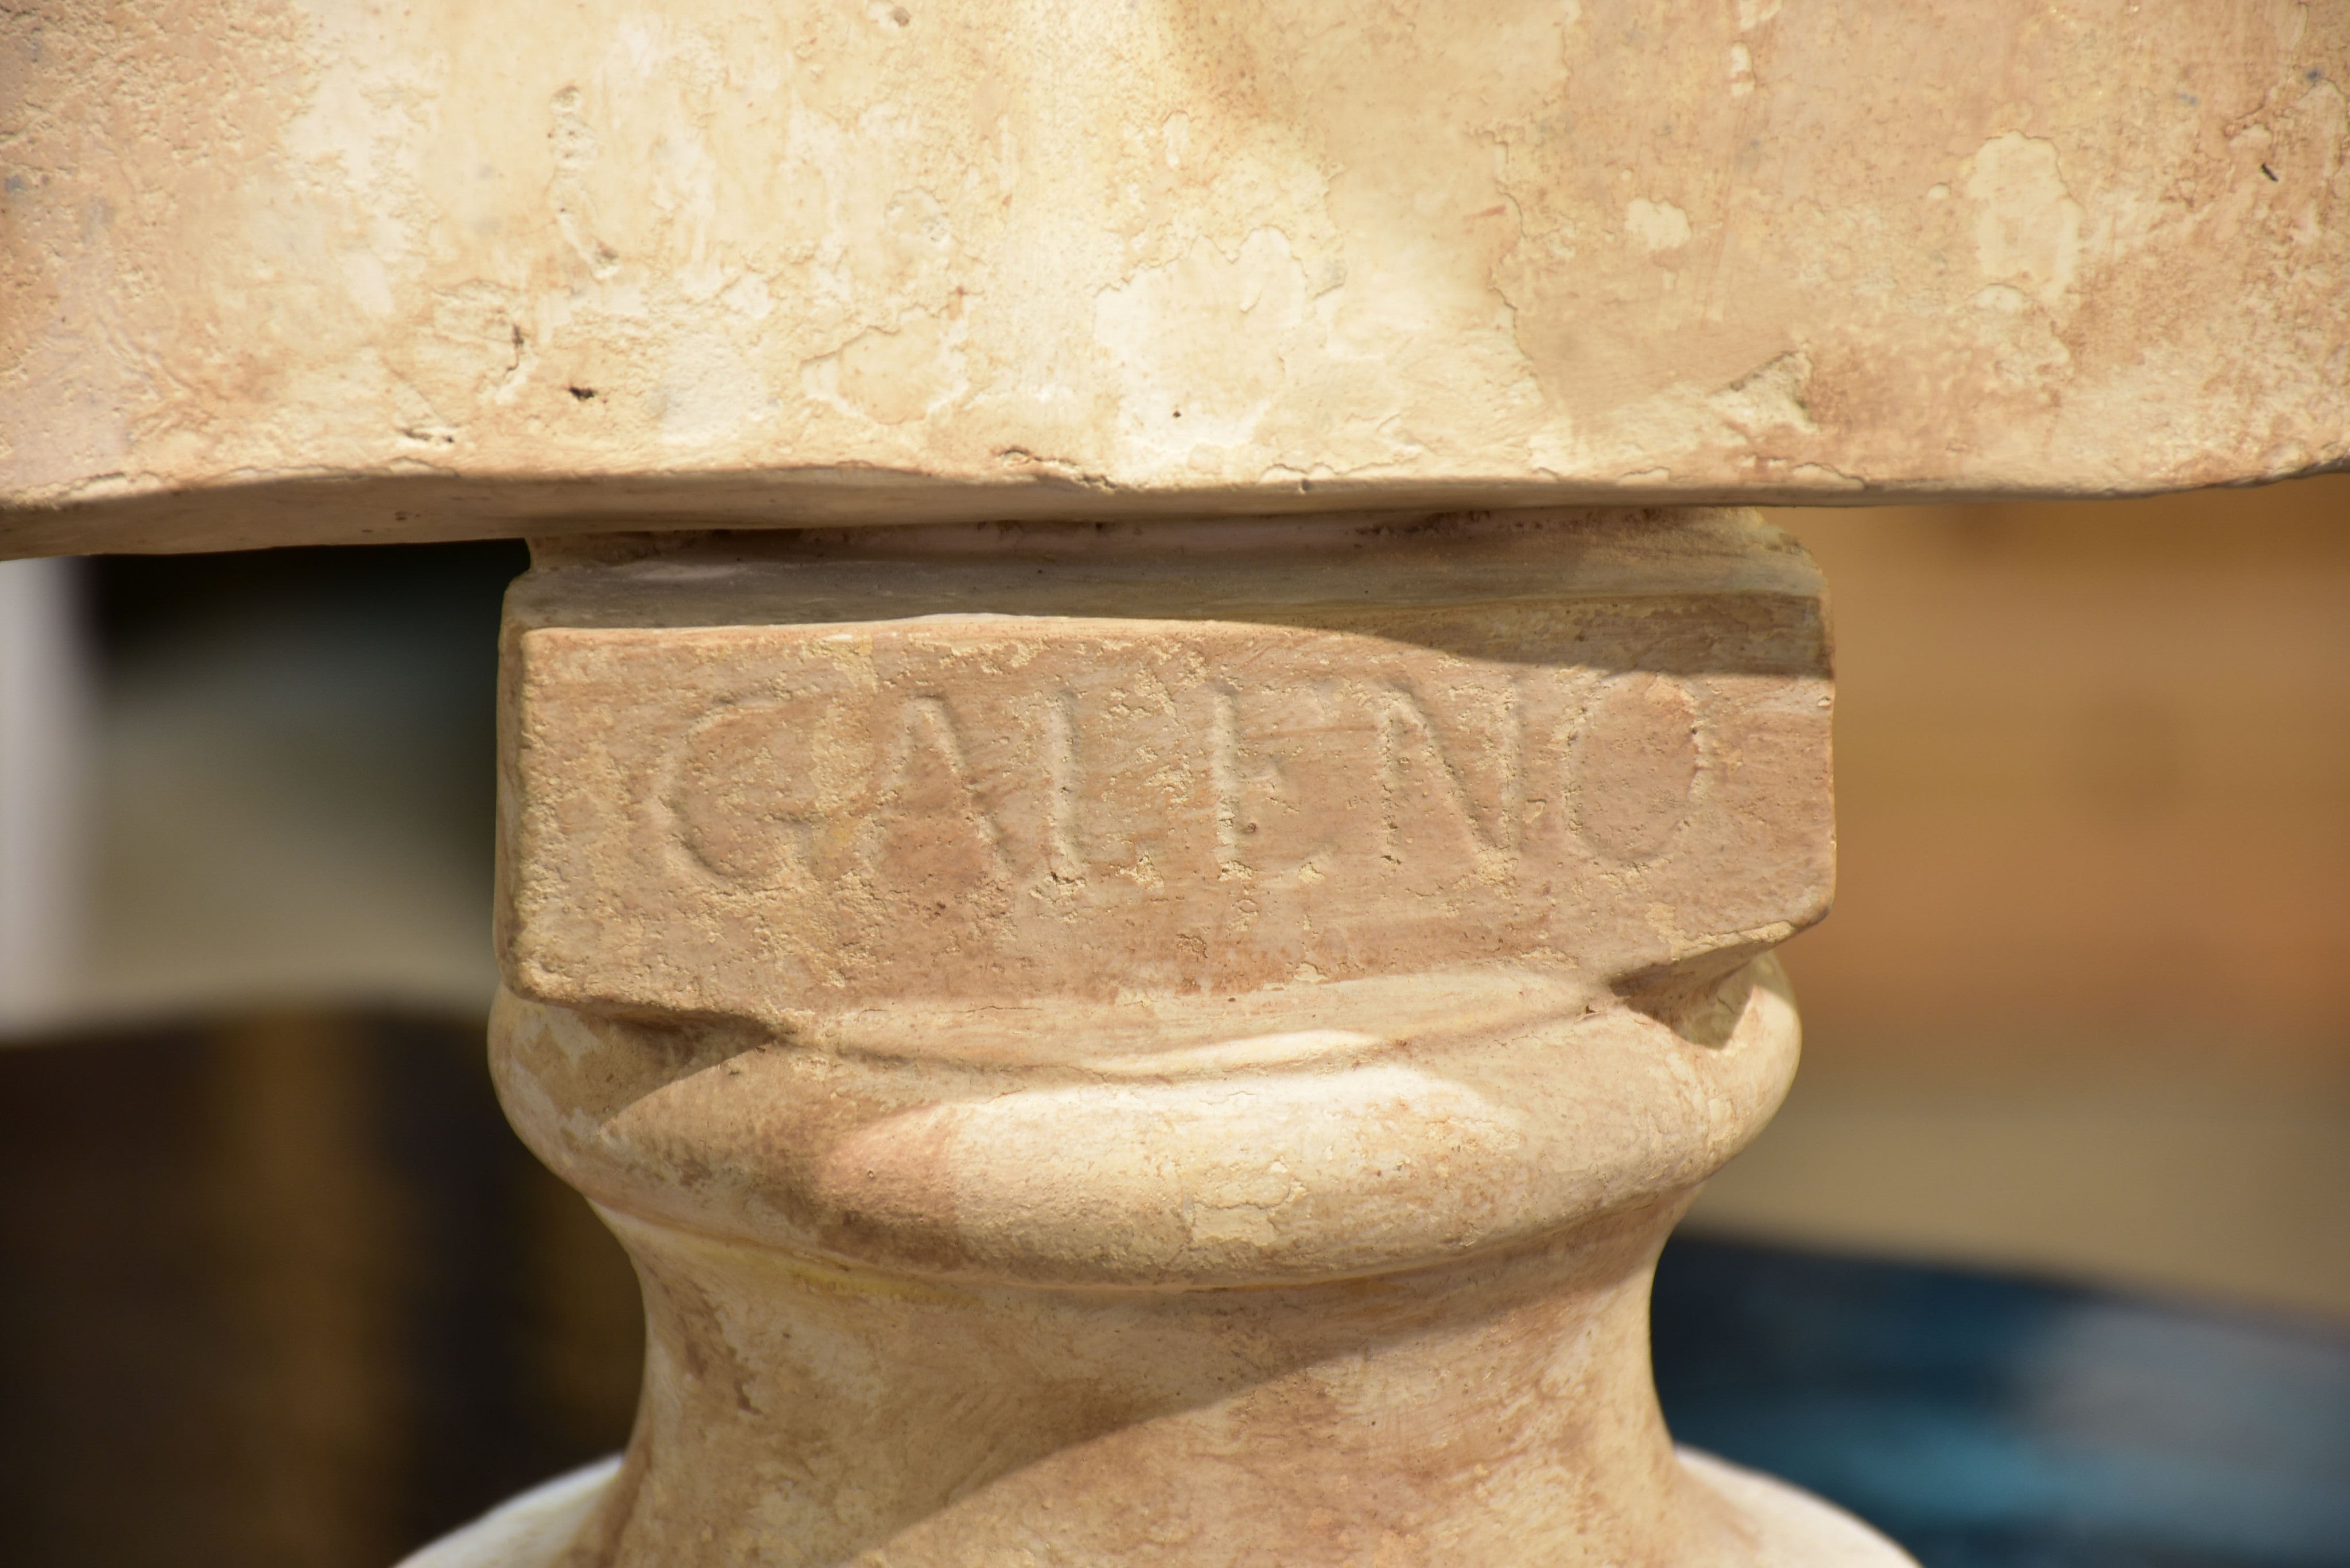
[279, 273]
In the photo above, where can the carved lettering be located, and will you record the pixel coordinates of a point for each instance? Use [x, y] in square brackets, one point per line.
[1224, 772]
[928, 825]
[1635, 766]
[1429, 805]
[957, 805]
[1390, 776]
[1065, 788]
[742, 792]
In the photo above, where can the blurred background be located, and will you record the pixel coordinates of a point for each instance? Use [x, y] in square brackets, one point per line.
[2075, 1030]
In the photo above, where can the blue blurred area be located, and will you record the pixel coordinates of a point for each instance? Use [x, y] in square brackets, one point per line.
[1988, 1422]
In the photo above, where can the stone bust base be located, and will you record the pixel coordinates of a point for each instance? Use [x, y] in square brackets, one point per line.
[1791, 1527]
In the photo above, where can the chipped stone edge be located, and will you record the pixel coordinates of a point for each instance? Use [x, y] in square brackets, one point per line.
[1793, 1528]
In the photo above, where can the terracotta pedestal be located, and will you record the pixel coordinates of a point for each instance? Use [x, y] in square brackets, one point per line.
[1161, 1048]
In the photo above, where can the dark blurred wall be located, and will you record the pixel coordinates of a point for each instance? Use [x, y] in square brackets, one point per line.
[286, 1293]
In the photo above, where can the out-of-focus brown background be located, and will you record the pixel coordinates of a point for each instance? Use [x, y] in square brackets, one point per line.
[2084, 1004]
[2079, 1011]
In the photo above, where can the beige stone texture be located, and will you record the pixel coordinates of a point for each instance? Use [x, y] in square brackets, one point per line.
[1160, 1048]
[844, 775]
[276, 271]
[1789, 1529]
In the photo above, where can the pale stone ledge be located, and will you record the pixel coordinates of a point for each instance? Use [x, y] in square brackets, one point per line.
[277, 274]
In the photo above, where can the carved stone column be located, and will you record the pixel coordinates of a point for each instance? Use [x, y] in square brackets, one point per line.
[1167, 1047]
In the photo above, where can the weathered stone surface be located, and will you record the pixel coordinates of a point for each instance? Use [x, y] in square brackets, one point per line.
[797, 783]
[1160, 1047]
[276, 273]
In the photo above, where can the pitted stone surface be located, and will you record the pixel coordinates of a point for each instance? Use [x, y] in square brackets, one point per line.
[277, 273]
[1131, 1045]
[796, 783]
